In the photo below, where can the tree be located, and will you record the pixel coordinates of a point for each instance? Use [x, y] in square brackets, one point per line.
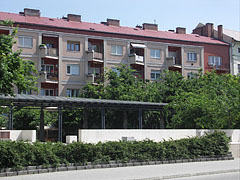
[209, 102]
[14, 71]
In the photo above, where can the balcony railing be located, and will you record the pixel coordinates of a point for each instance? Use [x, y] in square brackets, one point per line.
[221, 67]
[95, 56]
[49, 52]
[173, 62]
[136, 59]
[48, 77]
[94, 79]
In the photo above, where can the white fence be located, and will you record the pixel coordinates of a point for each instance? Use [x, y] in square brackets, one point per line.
[16, 135]
[103, 135]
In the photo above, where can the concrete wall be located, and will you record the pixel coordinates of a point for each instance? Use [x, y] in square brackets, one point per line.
[24, 135]
[94, 136]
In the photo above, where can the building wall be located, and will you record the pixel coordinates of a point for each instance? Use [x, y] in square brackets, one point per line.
[236, 57]
[80, 57]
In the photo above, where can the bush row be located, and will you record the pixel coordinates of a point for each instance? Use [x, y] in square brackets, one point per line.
[20, 154]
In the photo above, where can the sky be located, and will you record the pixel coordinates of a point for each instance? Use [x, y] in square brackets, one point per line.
[168, 14]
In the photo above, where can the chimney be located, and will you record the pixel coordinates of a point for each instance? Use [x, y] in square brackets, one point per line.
[209, 30]
[180, 30]
[74, 17]
[220, 32]
[31, 12]
[113, 22]
[149, 26]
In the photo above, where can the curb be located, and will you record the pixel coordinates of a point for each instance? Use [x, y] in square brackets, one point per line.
[190, 175]
[112, 164]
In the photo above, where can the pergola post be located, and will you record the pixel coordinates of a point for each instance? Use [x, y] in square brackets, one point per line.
[140, 118]
[103, 118]
[60, 123]
[10, 119]
[41, 134]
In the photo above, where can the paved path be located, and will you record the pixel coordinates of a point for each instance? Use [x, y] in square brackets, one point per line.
[224, 176]
[150, 172]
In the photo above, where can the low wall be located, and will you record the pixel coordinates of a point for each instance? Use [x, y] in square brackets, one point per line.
[24, 135]
[103, 135]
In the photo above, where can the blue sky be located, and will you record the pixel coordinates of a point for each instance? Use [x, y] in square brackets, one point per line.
[168, 14]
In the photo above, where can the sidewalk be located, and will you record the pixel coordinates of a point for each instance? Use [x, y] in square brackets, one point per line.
[150, 172]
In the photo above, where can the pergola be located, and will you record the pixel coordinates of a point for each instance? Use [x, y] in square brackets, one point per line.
[65, 102]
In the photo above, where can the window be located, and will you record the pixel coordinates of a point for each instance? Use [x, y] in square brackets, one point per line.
[114, 69]
[73, 92]
[214, 61]
[73, 69]
[47, 68]
[93, 70]
[47, 92]
[191, 56]
[25, 41]
[239, 50]
[155, 74]
[239, 68]
[191, 75]
[155, 53]
[73, 46]
[116, 50]
[27, 92]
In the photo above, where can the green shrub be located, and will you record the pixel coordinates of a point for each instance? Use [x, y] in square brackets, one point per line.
[20, 154]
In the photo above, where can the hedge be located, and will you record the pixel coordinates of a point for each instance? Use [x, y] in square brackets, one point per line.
[20, 154]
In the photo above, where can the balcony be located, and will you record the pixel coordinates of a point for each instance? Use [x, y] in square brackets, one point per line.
[219, 67]
[48, 77]
[46, 52]
[173, 62]
[136, 59]
[93, 79]
[94, 56]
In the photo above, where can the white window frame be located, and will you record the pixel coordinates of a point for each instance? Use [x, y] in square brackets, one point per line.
[43, 92]
[23, 45]
[43, 68]
[115, 50]
[114, 69]
[214, 60]
[191, 56]
[73, 69]
[73, 92]
[73, 46]
[154, 51]
[155, 72]
[26, 92]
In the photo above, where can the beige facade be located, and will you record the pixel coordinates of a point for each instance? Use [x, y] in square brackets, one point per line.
[70, 63]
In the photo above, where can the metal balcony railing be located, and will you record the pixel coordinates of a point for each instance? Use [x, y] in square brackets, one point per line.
[44, 76]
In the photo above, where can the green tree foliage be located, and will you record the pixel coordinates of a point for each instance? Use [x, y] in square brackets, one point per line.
[206, 101]
[14, 71]
[210, 101]
[29, 118]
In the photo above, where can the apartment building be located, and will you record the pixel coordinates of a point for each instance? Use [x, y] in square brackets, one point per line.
[228, 36]
[69, 53]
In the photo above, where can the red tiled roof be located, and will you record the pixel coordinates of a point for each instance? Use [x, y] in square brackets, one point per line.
[108, 29]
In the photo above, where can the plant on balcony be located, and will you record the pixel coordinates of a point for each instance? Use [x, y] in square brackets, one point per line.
[42, 46]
